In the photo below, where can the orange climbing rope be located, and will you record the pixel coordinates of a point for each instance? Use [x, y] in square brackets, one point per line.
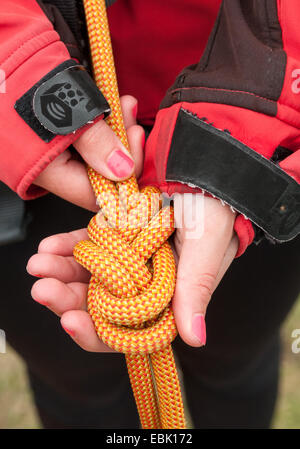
[131, 262]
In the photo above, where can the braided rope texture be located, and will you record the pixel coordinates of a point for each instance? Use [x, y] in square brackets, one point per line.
[131, 263]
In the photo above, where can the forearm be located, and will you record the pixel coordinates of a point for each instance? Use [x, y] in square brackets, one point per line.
[240, 96]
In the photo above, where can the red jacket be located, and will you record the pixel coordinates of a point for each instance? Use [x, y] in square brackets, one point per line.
[242, 96]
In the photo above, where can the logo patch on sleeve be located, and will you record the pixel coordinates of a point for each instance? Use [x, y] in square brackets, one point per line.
[62, 102]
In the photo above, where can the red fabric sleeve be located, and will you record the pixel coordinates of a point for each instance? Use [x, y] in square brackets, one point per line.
[29, 49]
[246, 84]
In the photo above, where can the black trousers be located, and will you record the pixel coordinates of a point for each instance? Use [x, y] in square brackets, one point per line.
[231, 383]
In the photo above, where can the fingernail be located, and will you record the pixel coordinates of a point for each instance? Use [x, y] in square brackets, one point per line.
[199, 328]
[135, 110]
[38, 275]
[120, 164]
[69, 331]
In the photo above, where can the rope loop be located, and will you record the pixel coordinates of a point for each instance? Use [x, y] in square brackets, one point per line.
[133, 270]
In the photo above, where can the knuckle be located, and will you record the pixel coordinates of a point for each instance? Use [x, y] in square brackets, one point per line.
[224, 218]
[138, 128]
[128, 98]
[91, 136]
[204, 284]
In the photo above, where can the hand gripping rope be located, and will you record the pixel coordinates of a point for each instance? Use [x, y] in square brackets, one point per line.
[132, 264]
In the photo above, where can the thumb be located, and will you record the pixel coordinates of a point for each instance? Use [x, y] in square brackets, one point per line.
[102, 150]
[66, 176]
[199, 266]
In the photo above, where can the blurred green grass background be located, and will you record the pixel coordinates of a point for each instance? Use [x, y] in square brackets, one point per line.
[17, 409]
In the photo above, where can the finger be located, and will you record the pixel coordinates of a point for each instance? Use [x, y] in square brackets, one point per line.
[67, 178]
[62, 244]
[79, 325]
[198, 267]
[65, 269]
[102, 149]
[136, 139]
[129, 105]
[199, 264]
[58, 296]
[135, 133]
[228, 259]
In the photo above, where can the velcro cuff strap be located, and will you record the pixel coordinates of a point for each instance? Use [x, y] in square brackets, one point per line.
[62, 102]
[205, 157]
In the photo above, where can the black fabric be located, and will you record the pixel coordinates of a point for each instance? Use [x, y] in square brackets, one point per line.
[244, 62]
[233, 172]
[280, 154]
[24, 105]
[61, 102]
[71, 11]
[72, 388]
[71, 26]
[13, 218]
[231, 383]
[73, 42]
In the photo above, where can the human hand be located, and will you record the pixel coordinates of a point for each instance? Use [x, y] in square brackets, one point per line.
[64, 286]
[204, 252]
[205, 246]
[99, 147]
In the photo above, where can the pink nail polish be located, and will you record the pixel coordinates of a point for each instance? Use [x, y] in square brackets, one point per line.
[199, 328]
[68, 331]
[120, 164]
